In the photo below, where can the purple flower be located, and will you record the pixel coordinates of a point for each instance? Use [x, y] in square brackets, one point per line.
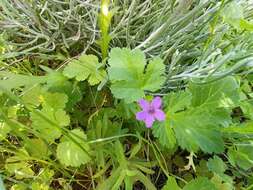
[151, 111]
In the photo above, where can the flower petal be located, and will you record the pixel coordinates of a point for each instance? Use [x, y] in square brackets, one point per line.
[156, 102]
[142, 115]
[149, 121]
[144, 104]
[159, 115]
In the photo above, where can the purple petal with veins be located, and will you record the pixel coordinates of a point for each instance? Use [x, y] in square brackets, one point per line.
[156, 102]
[151, 111]
[159, 115]
[144, 104]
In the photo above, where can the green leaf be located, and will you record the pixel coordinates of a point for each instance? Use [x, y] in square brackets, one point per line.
[126, 64]
[76, 134]
[165, 134]
[12, 81]
[17, 165]
[54, 100]
[128, 76]
[111, 180]
[32, 96]
[130, 92]
[219, 94]
[72, 153]
[71, 90]
[48, 121]
[126, 111]
[244, 128]
[200, 183]
[36, 148]
[19, 187]
[216, 165]
[136, 148]
[171, 184]
[46, 175]
[37, 95]
[202, 169]
[197, 115]
[86, 67]
[219, 184]
[54, 78]
[154, 75]
[39, 186]
[247, 108]
[4, 130]
[233, 13]
[246, 25]
[242, 156]
[177, 101]
[196, 130]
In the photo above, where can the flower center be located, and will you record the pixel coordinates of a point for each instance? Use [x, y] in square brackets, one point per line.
[151, 110]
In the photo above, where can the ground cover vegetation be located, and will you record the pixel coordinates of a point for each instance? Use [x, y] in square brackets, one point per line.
[126, 94]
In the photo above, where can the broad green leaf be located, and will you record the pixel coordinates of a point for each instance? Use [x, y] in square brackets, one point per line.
[165, 134]
[48, 121]
[196, 130]
[71, 90]
[197, 115]
[17, 165]
[86, 67]
[242, 156]
[126, 111]
[130, 92]
[221, 117]
[37, 95]
[76, 134]
[54, 78]
[73, 153]
[171, 184]
[219, 183]
[32, 96]
[154, 75]
[177, 101]
[12, 81]
[128, 75]
[219, 94]
[126, 64]
[247, 108]
[200, 183]
[54, 100]
[36, 148]
[216, 165]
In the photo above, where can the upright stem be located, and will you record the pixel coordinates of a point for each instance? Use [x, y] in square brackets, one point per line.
[104, 23]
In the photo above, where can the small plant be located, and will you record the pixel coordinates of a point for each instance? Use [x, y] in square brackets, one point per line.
[113, 95]
[35, 113]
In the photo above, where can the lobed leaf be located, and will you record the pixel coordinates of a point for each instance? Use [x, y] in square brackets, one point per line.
[128, 76]
[86, 67]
